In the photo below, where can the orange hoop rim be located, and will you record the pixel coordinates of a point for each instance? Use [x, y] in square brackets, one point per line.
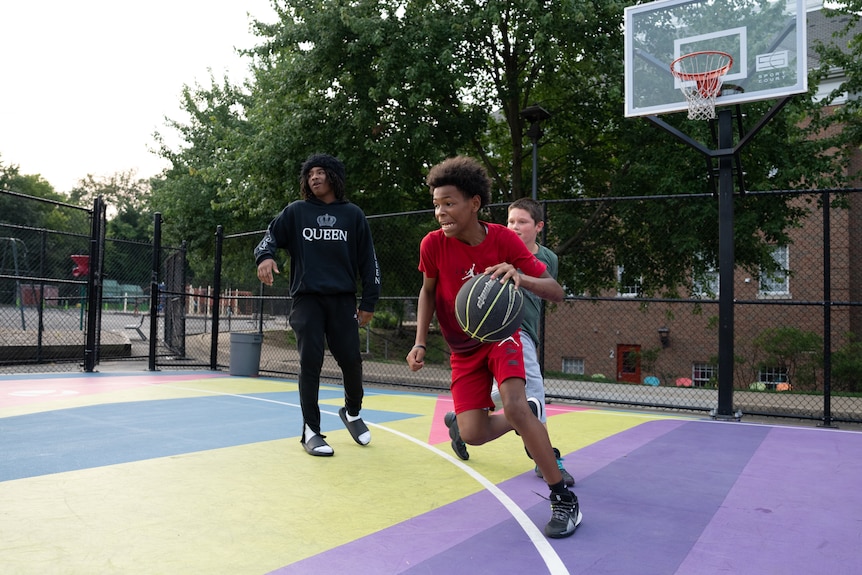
[706, 75]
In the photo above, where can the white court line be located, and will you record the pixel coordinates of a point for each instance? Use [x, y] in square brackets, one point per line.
[537, 538]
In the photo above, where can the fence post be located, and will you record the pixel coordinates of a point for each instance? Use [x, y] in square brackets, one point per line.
[43, 254]
[827, 313]
[154, 288]
[94, 286]
[216, 297]
[182, 307]
[260, 310]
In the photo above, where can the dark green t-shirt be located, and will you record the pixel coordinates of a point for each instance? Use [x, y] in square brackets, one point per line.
[532, 302]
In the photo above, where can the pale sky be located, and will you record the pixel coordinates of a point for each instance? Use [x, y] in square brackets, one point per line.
[85, 84]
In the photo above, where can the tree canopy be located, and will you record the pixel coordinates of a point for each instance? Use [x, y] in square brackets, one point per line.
[394, 86]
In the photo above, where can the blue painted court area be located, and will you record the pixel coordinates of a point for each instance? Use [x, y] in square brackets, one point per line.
[109, 434]
[179, 473]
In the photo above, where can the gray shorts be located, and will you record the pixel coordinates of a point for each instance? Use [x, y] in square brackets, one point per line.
[535, 384]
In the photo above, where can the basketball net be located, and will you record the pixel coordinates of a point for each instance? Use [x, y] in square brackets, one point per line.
[700, 75]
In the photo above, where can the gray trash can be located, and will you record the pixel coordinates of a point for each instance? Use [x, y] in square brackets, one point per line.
[245, 353]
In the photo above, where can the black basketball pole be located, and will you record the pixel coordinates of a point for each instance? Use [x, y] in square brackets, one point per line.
[726, 265]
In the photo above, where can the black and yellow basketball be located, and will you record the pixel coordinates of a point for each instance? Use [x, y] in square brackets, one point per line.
[488, 309]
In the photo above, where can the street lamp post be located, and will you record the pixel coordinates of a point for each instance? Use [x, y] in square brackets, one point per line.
[535, 114]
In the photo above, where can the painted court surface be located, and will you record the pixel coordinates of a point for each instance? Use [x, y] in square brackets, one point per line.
[201, 472]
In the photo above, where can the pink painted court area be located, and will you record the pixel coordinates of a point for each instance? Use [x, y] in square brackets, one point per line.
[201, 472]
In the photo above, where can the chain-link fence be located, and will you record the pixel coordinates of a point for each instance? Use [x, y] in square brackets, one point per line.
[619, 347]
[796, 328]
[44, 288]
[72, 298]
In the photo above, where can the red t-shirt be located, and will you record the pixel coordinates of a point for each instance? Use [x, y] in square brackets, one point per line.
[452, 263]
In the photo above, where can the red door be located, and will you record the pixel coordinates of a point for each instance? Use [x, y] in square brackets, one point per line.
[629, 363]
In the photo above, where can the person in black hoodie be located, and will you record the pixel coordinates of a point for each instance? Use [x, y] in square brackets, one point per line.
[330, 247]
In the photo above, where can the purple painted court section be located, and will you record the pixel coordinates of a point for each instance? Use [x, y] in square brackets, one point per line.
[410, 543]
[795, 508]
[643, 511]
[442, 534]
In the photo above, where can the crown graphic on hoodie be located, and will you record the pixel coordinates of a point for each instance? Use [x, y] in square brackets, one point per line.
[326, 220]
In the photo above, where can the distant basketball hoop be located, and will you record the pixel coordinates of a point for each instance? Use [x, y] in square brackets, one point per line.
[701, 75]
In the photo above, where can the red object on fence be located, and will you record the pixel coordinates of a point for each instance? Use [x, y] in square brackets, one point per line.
[82, 266]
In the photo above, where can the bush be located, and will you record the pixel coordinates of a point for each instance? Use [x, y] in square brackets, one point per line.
[384, 320]
[847, 367]
[798, 352]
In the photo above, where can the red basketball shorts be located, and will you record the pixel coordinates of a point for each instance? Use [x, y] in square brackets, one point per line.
[474, 372]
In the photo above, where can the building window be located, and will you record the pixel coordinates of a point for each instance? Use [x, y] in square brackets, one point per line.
[627, 286]
[777, 283]
[772, 376]
[705, 284]
[573, 365]
[704, 375]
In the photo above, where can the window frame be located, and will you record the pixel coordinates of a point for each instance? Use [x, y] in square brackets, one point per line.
[698, 369]
[568, 359]
[772, 375]
[767, 284]
[626, 291]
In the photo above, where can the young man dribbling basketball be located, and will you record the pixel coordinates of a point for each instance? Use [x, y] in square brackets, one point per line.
[463, 247]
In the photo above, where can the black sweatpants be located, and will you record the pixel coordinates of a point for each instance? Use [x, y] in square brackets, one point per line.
[314, 318]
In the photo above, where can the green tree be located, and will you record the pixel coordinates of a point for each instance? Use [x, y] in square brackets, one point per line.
[29, 209]
[205, 186]
[837, 120]
[797, 352]
[393, 86]
[665, 243]
[123, 193]
[847, 366]
[376, 83]
[129, 227]
[34, 213]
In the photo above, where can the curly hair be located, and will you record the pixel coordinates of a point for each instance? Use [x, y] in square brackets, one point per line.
[335, 173]
[466, 174]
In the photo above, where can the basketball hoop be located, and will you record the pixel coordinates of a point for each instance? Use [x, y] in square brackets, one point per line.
[701, 75]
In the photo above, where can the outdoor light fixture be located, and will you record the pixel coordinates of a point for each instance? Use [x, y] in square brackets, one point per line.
[664, 336]
[535, 114]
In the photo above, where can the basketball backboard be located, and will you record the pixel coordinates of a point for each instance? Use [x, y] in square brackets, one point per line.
[766, 39]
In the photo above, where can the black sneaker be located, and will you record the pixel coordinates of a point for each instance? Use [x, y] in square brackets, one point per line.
[565, 515]
[458, 446]
[567, 477]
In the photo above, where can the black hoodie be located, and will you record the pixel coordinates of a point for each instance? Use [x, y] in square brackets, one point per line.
[330, 248]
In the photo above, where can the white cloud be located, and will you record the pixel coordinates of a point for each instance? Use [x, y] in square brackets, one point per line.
[85, 84]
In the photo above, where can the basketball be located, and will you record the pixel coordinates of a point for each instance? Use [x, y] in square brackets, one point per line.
[489, 310]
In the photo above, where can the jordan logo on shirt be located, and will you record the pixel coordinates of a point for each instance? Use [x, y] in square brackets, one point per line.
[470, 273]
